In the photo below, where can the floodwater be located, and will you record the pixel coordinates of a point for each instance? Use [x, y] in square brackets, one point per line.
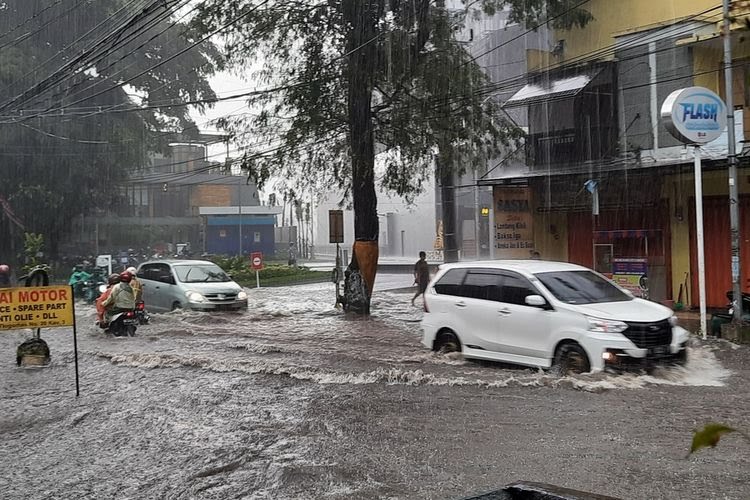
[293, 399]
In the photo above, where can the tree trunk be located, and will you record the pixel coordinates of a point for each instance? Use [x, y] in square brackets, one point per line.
[362, 17]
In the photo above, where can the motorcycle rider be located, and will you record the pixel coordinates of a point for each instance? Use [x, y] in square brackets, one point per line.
[112, 280]
[135, 284]
[77, 279]
[121, 298]
[4, 276]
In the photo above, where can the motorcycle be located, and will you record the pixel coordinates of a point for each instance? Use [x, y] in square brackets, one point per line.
[78, 281]
[141, 314]
[93, 287]
[122, 324]
[719, 319]
[745, 303]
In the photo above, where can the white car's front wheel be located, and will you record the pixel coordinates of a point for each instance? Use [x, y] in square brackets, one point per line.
[571, 359]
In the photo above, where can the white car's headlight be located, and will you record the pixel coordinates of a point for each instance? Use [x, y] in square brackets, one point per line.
[606, 325]
[195, 297]
[242, 295]
[673, 320]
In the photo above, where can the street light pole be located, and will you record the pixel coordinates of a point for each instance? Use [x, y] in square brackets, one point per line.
[734, 198]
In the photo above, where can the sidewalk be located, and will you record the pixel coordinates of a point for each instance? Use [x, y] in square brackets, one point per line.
[398, 265]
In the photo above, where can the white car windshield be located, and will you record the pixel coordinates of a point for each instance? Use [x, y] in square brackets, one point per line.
[581, 287]
[201, 274]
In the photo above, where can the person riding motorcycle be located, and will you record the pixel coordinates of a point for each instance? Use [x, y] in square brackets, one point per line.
[77, 279]
[121, 298]
[112, 280]
[135, 284]
[4, 276]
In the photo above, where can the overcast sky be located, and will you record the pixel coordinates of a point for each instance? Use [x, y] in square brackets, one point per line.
[224, 84]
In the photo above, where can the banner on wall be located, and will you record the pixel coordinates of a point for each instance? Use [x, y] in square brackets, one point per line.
[514, 230]
[631, 274]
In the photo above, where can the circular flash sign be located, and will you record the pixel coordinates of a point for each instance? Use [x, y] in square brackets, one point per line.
[694, 115]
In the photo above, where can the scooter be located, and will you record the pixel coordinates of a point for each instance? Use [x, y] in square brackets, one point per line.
[745, 303]
[122, 324]
[719, 319]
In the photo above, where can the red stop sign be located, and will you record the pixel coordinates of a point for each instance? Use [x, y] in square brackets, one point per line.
[256, 260]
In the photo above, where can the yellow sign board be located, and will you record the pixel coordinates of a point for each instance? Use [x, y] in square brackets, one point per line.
[36, 307]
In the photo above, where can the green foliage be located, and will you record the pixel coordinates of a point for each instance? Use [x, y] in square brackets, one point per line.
[566, 14]
[32, 250]
[61, 165]
[424, 91]
[710, 435]
[270, 275]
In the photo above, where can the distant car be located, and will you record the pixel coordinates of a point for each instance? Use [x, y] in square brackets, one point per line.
[189, 284]
[543, 314]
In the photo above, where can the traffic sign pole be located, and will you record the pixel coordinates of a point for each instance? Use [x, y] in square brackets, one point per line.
[256, 262]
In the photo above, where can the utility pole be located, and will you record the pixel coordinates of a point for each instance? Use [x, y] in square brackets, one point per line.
[444, 168]
[734, 198]
[239, 210]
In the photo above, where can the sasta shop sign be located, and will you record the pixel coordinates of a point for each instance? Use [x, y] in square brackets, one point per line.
[694, 115]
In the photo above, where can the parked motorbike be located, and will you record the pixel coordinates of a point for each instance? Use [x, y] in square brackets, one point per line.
[141, 314]
[721, 318]
[122, 324]
[745, 303]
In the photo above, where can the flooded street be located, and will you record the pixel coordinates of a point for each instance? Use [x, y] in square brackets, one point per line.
[295, 400]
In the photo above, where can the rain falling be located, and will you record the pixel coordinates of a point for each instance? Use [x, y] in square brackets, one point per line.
[404, 249]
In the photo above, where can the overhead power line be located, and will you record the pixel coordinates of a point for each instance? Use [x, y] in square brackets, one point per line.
[532, 29]
[80, 60]
[29, 34]
[486, 90]
[166, 14]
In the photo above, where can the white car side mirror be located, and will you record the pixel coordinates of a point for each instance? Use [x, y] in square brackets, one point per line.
[535, 301]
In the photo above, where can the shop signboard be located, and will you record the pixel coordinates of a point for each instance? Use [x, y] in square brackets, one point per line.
[514, 230]
[694, 115]
[631, 274]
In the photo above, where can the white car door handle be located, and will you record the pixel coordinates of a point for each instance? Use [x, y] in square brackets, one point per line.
[460, 304]
[504, 311]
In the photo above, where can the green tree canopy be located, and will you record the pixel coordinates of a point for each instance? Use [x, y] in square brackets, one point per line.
[348, 79]
[71, 72]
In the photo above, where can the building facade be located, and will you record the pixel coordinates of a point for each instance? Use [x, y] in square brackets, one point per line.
[175, 202]
[605, 184]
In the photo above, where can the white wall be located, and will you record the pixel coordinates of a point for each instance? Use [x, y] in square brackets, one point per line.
[417, 221]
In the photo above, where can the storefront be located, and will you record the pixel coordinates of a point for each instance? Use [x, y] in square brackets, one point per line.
[630, 246]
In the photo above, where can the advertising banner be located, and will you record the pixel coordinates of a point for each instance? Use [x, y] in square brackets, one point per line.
[631, 274]
[36, 307]
[514, 230]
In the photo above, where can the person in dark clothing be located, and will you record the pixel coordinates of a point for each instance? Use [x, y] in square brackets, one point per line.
[421, 275]
[5, 281]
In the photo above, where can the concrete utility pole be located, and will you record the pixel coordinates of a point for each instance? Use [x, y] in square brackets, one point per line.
[734, 197]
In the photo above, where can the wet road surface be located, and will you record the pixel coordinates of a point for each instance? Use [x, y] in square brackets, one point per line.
[293, 399]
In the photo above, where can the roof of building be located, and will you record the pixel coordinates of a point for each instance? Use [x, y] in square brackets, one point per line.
[243, 210]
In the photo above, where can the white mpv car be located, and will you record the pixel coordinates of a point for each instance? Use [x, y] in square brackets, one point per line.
[544, 314]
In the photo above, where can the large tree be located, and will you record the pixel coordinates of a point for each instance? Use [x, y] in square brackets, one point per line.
[82, 103]
[349, 80]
